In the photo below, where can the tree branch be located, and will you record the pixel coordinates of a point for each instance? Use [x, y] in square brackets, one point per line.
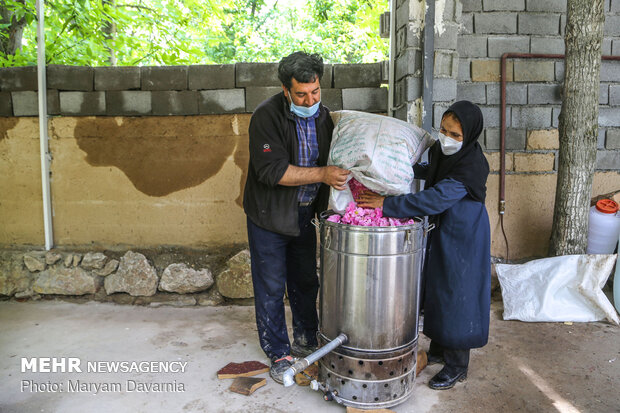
[64, 26]
[134, 6]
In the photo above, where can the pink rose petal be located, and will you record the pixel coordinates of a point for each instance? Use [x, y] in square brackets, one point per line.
[367, 217]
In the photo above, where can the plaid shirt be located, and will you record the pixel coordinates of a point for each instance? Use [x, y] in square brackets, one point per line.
[308, 153]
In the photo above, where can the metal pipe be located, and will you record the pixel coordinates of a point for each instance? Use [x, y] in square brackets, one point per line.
[289, 375]
[43, 138]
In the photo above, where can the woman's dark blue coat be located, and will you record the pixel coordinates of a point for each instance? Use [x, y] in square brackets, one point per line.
[457, 272]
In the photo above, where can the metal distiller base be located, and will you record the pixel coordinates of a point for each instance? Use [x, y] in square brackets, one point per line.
[368, 314]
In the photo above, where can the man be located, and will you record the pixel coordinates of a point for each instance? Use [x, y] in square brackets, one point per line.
[288, 182]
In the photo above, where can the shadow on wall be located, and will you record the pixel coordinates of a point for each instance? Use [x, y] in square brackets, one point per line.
[162, 156]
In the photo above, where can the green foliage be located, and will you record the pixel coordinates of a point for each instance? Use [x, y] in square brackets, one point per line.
[342, 31]
[169, 32]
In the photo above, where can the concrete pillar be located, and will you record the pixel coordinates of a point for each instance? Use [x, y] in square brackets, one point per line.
[408, 70]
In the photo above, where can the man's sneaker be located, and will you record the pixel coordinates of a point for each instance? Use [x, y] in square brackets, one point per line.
[279, 366]
[299, 350]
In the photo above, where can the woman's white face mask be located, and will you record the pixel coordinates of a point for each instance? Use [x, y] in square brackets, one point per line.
[449, 146]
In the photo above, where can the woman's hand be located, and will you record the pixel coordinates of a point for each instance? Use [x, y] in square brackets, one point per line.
[369, 199]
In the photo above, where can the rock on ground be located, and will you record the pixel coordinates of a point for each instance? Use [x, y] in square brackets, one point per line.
[93, 261]
[65, 281]
[34, 263]
[179, 278]
[109, 268]
[68, 260]
[134, 276]
[76, 259]
[236, 280]
[52, 258]
[14, 278]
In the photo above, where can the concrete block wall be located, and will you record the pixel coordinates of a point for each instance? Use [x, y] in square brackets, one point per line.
[408, 60]
[489, 28]
[179, 90]
[409, 57]
[470, 69]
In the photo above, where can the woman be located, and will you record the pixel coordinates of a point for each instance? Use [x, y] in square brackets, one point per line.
[457, 269]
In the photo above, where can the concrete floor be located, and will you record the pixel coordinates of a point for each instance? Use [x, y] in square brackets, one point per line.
[526, 367]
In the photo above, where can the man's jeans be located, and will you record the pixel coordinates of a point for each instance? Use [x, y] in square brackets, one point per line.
[279, 262]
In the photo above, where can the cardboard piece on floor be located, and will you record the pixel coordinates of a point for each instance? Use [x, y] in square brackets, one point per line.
[422, 362]
[247, 385]
[245, 369]
[355, 410]
[312, 371]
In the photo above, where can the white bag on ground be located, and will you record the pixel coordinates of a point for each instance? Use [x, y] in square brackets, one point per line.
[565, 288]
[378, 150]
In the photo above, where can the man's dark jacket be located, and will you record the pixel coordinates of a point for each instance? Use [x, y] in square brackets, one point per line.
[273, 146]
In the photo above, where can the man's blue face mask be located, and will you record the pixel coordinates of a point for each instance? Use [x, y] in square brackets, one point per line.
[303, 111]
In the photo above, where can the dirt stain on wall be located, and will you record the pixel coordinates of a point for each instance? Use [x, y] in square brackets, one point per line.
[159, 155]
[6, 124]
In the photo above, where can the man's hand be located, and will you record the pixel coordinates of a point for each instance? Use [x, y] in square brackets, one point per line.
[335, 177]
[330, 175]
[369, 199]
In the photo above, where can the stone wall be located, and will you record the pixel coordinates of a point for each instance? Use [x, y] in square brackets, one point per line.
[165, 277]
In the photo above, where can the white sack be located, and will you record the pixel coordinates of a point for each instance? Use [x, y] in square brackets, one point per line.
[566, 288]
[380, 152]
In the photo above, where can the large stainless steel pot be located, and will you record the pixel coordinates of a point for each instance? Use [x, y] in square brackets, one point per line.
[370, 286]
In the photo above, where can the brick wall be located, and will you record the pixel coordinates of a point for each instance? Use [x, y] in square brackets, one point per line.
[470, 36]
[490, 28]
[178, 90]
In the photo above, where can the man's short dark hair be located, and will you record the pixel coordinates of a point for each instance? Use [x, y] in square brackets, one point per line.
[304, 67]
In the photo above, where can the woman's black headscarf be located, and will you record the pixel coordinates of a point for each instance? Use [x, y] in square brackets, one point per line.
[469, 165]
